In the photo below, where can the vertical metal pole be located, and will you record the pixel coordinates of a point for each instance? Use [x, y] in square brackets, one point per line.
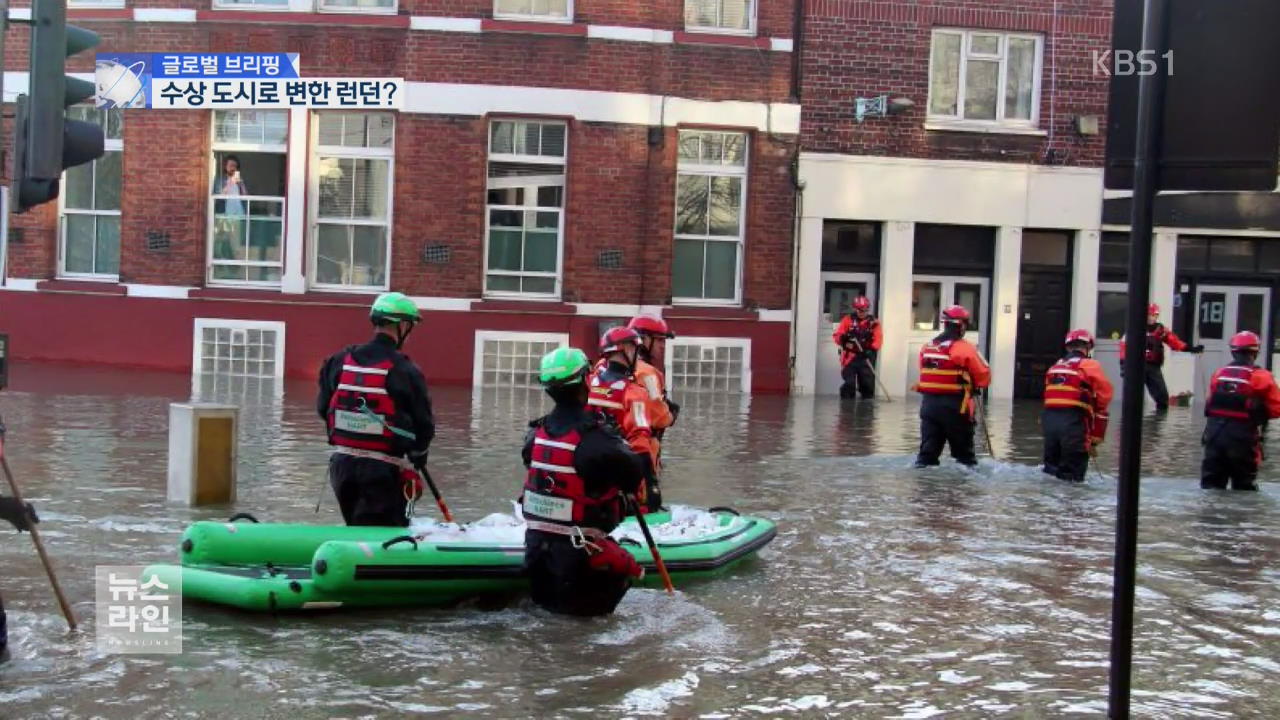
[1146, 156]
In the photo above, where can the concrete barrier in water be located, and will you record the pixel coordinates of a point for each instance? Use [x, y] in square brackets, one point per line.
[203, 450]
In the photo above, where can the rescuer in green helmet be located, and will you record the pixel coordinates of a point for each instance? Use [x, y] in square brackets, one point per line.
[374, 402]
[580, 473]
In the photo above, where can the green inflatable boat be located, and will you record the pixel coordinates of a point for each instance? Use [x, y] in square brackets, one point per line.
[279, 567]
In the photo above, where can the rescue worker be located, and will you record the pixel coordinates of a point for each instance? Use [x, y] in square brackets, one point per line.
[951, 371]
[21, 519]
[1158, 336]
[615, 392]
[859, 337]
[661, 409]
[1077, 394]
[580, 474]
[1242, 398]
[374, 402]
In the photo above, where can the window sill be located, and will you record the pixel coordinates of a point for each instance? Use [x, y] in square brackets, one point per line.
[355, 11]
[89, 286]
[101, 12]
[721, 39]
[984, 128]
[274, 295]
[534, 27]
[709, 312]
[547, 306]
[289, 17]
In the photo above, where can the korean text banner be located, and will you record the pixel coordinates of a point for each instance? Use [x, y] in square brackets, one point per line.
[124, 79]
[354, 93]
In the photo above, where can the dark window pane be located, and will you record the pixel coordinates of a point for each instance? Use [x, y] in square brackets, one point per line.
[1232, 255]
[969, 296]
[1269, 256]
[850, 245]
[686, 269]
[939, 248]
[1210, 314]
[1046, 247]
[1111, 313]
[1249, 313]
[838, 299]
[1114, 252]
[1192, 253]
[926, 305]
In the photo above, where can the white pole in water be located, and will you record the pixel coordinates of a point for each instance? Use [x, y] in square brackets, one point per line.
[203, 453]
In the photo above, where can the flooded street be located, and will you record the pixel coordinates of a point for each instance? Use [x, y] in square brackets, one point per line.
[889, 592]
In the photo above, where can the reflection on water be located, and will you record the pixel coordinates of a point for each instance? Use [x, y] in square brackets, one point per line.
[889, 591]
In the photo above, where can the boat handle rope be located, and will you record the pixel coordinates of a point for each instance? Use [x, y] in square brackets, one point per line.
[403, 538]
[724, 508]
[243, 516]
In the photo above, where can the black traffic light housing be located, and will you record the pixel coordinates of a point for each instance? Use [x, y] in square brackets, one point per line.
[46, 142]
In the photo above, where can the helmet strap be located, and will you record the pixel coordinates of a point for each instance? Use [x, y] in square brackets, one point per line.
[401, 333]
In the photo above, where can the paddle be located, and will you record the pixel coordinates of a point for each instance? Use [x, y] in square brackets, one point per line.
[35, 536]
[982, 421]
[444, 509]
[653, 547]
[874, 374]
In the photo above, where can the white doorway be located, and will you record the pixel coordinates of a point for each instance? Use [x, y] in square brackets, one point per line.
[930, 294]
[1223, 311]
[839, 290]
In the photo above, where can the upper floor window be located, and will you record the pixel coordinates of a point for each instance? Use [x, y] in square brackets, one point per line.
[90, 203]
[525, 207]
[711, 189]
[736, 17]
[77, 4]
[247, 196]
[354, 156]
[985, 77]
[544, 10]
[336, 6]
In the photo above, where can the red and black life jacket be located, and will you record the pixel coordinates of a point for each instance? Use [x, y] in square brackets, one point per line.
[608, 395]
[555, 493]
[1155, 344]
[863, 331]
[939, 374]
[1231, 395]
[362, 412]
[1065, 386]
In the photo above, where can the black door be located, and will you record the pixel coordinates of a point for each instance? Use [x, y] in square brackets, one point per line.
[1044, 307]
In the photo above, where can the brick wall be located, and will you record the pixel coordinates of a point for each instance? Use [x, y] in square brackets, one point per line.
[864, 48]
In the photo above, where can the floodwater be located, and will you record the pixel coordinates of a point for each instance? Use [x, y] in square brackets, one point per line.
[889, 592]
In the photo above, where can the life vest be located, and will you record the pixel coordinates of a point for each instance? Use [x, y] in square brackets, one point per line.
[1155, 344]
[361, 411]
[939, 374]
[1231, 395]
[608, 395]
[554, 492]
[863, 331]
[1065, 386]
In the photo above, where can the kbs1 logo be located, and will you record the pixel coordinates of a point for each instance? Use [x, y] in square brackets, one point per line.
[1123, 63]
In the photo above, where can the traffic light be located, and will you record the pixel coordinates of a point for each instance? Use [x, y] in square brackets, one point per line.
[46, 142]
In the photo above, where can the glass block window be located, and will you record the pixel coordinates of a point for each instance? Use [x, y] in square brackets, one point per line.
[239, 348]
[710, 364]
[511, 359]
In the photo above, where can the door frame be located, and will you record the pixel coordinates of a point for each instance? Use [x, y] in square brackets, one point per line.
[826, 359]
[1230, 319]
[949, 283]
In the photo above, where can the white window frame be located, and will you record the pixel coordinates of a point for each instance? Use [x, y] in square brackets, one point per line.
[214, 148]
[94, 4]
[712, 30]
[313, 204]
[743, 171]
[202, 324]
[567, 20]
[530, 183]
[713, 342]
[293, 6]
[958, 121]
[108, 145]
[324, 7]
[481, 336]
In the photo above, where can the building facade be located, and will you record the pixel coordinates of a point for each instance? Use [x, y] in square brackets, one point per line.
[557, 166]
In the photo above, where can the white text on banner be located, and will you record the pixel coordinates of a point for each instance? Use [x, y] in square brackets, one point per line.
[245, 94]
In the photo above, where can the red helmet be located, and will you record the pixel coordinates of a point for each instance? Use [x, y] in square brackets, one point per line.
[1245, 341]
[955, 313]
[1153, 309]
[650, 325]
[862, 303]
[614, 338]
[1076, 336]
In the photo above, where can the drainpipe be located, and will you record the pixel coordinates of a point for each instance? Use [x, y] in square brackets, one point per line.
[798, 184]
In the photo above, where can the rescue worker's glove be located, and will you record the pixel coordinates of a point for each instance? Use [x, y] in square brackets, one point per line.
[674, 407]
[1195, 349]
[611, 558]
[19, 515]
[418, 458]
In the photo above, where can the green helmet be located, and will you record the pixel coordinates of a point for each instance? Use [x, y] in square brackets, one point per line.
[563, 366]
[394, 307]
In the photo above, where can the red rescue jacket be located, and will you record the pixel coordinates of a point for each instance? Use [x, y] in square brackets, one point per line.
[555, 493]
[362, 413]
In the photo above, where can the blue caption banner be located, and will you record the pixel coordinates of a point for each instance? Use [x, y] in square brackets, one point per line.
[126, 80]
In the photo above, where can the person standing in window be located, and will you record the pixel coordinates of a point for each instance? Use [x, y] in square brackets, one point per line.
[229, 182]
[374, 402]
[229, 214]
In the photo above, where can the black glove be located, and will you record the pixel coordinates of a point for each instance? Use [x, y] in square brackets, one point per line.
[1195, 349]
[13, 512]
[674, 407]
[418, 458]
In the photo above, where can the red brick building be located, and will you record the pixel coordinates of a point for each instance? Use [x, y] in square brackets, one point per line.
[556, 164]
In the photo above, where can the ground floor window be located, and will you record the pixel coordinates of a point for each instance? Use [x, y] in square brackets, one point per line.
[711, 364]
[239, 348]
[247, 196]
[512, 359]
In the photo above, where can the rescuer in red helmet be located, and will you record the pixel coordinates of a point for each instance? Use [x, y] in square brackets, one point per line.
[1077, 394]
[859, 337]
[662, 410]
[1157, 337]
[615, 392]
[951, 371]
[1242, 398]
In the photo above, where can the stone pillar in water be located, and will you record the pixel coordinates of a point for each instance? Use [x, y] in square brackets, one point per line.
[203, 440]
